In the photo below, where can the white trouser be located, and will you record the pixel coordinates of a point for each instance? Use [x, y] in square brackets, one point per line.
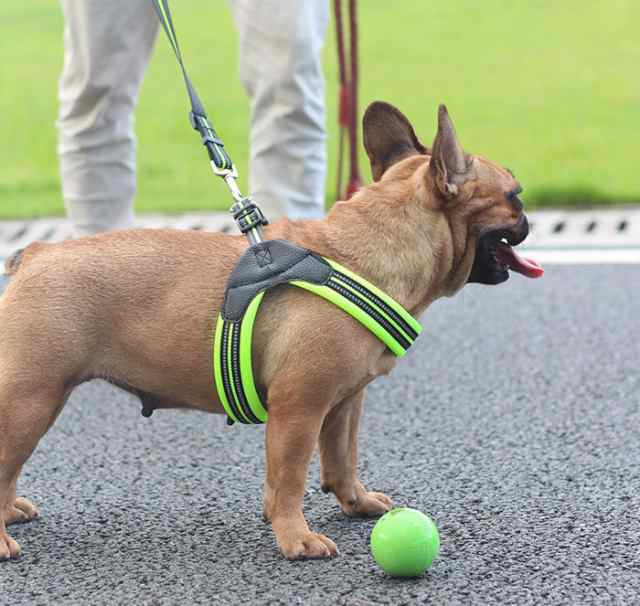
[108, 44]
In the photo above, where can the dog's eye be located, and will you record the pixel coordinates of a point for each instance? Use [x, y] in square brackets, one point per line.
[514, 193]
[512, 196]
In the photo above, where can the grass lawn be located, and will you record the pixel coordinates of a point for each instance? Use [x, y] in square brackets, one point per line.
[550, 89]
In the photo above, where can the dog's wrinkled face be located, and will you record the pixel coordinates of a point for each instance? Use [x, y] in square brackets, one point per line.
[500, 225]
[478, 197]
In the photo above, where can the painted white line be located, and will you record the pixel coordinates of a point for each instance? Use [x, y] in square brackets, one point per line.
[612, 256]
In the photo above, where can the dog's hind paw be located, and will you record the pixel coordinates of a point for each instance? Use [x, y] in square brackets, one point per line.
[20, 512]
[308, 546]
[9, 548]
[368, 505]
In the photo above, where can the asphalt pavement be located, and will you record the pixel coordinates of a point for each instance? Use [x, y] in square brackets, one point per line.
[514, 423]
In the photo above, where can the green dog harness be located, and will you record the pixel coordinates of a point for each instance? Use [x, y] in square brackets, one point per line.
[274, 262]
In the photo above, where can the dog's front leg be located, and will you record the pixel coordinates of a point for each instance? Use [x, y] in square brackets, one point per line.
[293, 427]
[339, 459]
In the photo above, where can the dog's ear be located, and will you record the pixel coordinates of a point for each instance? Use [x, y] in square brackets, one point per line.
[388, 137]
[449, 165]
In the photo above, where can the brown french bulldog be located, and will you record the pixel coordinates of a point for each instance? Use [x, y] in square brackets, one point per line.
[138, 308]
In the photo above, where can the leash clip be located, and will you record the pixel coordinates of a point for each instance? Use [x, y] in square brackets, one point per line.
[248, 215]
[226, 174]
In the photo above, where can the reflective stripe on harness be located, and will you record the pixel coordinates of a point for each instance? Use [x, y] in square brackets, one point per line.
[366, 303]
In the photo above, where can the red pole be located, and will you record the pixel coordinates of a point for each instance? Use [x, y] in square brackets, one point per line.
[344, 101]
[355, 181]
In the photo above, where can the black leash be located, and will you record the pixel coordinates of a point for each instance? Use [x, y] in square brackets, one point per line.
[245, 211]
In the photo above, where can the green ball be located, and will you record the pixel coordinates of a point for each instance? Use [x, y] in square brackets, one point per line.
[405, 542]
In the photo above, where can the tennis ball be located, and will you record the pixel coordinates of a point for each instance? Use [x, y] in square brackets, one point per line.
[405, 542]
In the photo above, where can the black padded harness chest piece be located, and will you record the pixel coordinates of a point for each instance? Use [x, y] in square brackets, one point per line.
[265, 265]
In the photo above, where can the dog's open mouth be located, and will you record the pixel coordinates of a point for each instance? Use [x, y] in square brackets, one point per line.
[495, 255]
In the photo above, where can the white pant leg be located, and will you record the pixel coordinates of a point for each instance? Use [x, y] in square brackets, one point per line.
[107, 47]
[280, 67]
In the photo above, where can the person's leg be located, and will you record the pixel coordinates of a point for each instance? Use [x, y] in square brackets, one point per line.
[107, 48]
[280, 66]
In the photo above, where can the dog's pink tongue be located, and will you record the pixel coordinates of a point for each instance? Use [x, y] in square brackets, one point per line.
[526, 267]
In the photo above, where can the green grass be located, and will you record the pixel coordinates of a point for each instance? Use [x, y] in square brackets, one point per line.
[550, 89]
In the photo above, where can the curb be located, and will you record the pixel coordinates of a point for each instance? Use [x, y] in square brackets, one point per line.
[610, 235]
[19, 233]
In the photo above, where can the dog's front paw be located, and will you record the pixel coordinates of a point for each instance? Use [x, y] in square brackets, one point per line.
[367, 505]
[20, 511]
[9, 548]
[306, 545]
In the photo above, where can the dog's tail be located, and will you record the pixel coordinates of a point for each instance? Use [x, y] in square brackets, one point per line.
[12, 264]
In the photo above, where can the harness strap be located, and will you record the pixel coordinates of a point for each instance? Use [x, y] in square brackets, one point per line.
[363, 301]
[233, 370]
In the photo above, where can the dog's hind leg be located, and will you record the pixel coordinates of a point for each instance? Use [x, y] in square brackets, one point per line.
[46, 340]
[24, 419]
[339, 461]
[19, 510]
